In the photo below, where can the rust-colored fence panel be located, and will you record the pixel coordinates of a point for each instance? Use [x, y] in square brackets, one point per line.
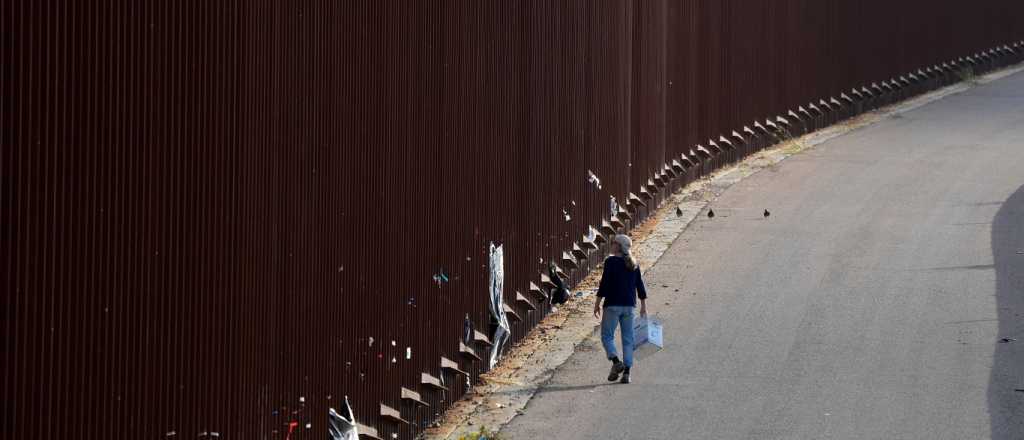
[222, 217]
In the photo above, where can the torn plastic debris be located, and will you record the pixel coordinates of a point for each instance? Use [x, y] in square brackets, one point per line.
[613, 207]
[497, 286]
[342, 426]
[467, 330]
[592, 178]
[440, 277]
[559, 294]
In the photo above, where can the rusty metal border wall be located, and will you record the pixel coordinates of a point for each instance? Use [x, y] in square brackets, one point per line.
[210, 208]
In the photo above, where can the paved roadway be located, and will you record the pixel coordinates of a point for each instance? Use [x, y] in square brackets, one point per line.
[869, 306]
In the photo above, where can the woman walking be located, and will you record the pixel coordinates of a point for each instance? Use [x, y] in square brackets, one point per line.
[620, 285]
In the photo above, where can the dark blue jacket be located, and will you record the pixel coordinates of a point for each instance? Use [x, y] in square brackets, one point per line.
[619, 285]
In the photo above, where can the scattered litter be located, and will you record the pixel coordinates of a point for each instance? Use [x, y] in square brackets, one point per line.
[309, 426]
[1006, 340]
[394, 360]
[371, 341]
[408, 353]
[392, 342]
[613, 207]
[1019, 390]
[679, 212]
[592, 178]
[440, 277]
[566, 214]
[412, 301]
[173, 433]
[341, 268]
[711, 213]
[302, 400]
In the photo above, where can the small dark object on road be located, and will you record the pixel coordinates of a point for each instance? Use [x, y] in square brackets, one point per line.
[767, 214]
[1019, 390]
[711, 213]
[1006, 340]
[679, 212]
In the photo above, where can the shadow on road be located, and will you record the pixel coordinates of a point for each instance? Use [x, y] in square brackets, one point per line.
[1005, 404]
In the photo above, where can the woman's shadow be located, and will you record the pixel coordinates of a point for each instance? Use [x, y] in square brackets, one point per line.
[1006, 383]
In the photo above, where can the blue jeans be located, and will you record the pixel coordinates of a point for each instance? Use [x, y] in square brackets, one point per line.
[621, 316]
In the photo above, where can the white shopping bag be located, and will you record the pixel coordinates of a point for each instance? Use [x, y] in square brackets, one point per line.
[647, 331]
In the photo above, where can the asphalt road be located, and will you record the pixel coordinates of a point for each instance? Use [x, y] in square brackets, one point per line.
[869, 306]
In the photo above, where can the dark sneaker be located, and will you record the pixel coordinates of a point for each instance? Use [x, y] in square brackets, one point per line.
[617, 369]
[625, 377]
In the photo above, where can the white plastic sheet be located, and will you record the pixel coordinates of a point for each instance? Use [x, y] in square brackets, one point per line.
[497, 286]
[342, 426]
